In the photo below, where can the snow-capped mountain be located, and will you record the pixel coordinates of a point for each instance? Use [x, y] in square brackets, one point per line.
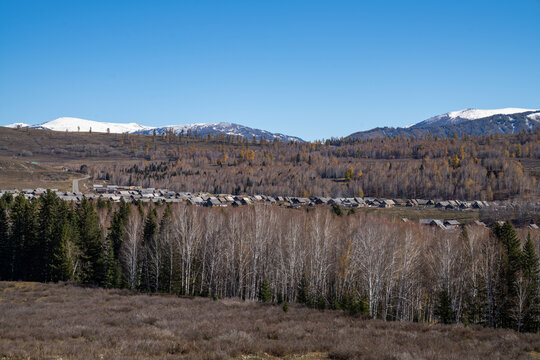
[222, 128]
[468, 121]
[72, 124]
[455, 117]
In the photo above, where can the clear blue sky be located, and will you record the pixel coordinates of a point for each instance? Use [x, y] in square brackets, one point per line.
[313, 69]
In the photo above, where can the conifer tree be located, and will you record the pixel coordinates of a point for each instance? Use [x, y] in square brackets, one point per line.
[24, 242]
[303, 292]
[444, 308]
[6, 249]
[111, 269]
[532, 301]
[61, 264]
[51, 217]
[511, 265]
[114, 243]
[265, 292]
[17, 238]
[91, 244]
[149, 231]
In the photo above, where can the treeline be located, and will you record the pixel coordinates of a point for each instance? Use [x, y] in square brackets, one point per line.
[486, 168]
[357, 263]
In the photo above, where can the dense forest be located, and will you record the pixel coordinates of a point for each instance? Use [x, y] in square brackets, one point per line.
[496, 167]
[485, 168]
[363, 264]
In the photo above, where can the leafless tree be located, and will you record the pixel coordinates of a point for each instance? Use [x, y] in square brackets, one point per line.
[131, 248]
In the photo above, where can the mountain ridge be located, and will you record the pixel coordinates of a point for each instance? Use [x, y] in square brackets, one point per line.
[73, 124]
[467, 121]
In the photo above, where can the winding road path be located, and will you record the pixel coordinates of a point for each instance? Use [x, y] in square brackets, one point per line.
[76, 183]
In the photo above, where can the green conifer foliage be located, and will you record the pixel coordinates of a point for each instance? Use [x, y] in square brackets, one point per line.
[444, 308]
[265, 292]
[6, 248]
[303, 291]
[532, 300]
[61, 265]
[52, 217]
[149, 231]
[511, 265]
[91, 244]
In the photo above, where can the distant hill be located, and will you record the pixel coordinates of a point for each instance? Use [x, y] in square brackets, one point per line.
[72, 124]
[222, 128]
[469, 122]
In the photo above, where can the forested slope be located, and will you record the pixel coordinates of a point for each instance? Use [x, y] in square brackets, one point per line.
[467, 168]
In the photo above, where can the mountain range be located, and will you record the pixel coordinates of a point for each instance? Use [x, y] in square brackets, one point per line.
[72, 124]
[468, 121]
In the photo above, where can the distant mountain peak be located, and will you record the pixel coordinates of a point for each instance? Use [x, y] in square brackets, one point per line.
[223, 128]
[73, 124]
[455, 117]
[467, 121]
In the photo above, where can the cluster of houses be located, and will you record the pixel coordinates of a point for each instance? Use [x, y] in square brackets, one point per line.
[446, 224]
[456, 225]
[136, 193]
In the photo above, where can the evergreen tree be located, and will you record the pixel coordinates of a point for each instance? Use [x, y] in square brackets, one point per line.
[532, 301]
[6, 248]
[303, 291]
[23, 240]
[168, 273]
[61, 267]
[114, 243]
[149, 231]
[91, 244]
[51, 217]
[511, 265]
[110, 266]
[265, 292]
[444, 308]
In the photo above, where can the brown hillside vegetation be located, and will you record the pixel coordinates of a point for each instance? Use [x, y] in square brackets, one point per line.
[486, 168]
[53, 321]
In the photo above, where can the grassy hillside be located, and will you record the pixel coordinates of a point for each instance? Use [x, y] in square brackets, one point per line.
[60, 321]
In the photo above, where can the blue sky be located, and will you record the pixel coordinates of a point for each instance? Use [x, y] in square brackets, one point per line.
[313, 69]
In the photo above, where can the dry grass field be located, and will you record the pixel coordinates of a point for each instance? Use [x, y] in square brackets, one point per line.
[20, 174]
[61, 321]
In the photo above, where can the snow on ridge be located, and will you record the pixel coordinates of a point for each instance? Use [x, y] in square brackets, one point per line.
[473, 114]
[76, 124]
[72, 124]
[16, 125]
[535, 116]
[455, 117]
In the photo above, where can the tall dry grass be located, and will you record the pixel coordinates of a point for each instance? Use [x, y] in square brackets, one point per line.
[53, 321]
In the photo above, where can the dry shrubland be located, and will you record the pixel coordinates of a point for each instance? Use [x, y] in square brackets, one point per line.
[53, 321]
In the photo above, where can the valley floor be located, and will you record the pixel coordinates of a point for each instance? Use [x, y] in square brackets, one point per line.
[62, 321]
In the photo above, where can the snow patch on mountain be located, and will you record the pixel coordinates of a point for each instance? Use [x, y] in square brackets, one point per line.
[455, 117]
[16, 125]
[535, 116]
[76, 124]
